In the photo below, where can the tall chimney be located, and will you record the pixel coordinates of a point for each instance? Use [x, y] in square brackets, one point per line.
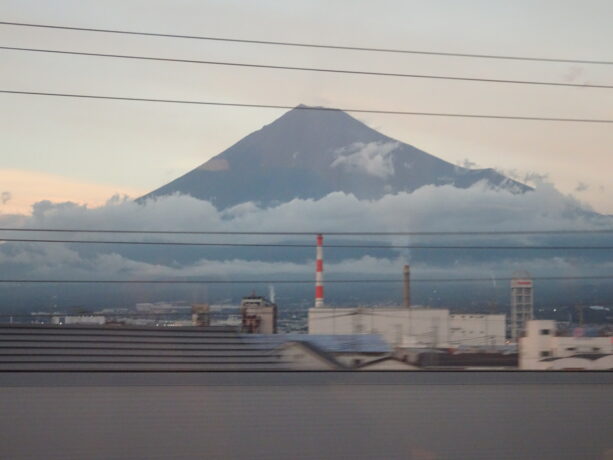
[406, 273]
[319, 272]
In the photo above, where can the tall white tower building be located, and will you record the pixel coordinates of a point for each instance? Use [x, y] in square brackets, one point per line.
[522, 304]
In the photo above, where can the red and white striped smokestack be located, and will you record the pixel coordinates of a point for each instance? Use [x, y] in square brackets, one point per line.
[319, 272]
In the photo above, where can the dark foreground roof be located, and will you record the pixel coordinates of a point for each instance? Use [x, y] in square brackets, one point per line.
[127, 348]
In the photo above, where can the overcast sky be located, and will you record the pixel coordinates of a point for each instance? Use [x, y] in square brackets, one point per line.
[85, 151]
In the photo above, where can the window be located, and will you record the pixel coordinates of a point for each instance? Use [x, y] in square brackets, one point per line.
[545, 354]
[545, 331]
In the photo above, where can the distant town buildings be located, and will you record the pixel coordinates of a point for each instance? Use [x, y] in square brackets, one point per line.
[78, 319]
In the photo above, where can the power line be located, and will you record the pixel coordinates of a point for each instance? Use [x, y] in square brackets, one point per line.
[314, 45]
[310, 69]
[339, 281]
[313, 233]
[293, 245]
[300, 107]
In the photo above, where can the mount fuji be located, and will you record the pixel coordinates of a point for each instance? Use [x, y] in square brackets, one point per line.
[310, 152]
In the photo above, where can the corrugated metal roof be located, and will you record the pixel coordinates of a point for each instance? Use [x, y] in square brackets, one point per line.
[323, 354]
[351, 343]
[127, 348]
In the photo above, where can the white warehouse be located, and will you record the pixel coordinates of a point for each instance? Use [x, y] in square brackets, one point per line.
[411, 327]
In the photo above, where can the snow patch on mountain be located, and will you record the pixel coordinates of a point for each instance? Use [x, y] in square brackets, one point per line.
[373, 158]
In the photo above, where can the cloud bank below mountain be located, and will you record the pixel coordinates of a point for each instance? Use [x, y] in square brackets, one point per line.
[443, 208]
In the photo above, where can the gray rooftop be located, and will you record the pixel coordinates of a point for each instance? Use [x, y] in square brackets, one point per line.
[128, 348]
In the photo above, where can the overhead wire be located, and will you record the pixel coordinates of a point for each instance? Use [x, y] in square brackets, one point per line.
[308, 245]
[301, 107]
[310, 69]
[280, 281]
[312, 233]
[312, 45]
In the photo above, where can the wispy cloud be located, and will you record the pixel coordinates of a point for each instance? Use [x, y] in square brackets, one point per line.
[373, 158]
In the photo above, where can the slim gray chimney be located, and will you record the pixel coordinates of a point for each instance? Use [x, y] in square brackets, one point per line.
[406, 273]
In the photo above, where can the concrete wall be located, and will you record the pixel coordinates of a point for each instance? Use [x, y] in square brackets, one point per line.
[467, 329]
[306, 415]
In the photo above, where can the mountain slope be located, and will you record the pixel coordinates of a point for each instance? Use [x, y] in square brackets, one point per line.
[311, 153]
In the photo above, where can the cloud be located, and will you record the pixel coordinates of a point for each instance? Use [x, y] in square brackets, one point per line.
[27, 187]
[468, 164]
[532, 178]
[373, 158]
[430, 208]
[582, 187]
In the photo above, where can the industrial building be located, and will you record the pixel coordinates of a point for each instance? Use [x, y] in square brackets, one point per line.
[411, 327]
[545, 348]
[405, 326]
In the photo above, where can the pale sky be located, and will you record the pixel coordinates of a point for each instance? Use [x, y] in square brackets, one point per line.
[85, 151]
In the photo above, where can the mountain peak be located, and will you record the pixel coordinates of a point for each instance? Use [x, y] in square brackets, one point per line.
[310, 152]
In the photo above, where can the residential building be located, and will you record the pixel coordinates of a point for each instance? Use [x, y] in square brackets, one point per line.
[545, 348]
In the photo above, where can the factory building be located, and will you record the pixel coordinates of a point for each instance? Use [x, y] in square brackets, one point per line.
[404, 326]
[411, 327]
[545, 348]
